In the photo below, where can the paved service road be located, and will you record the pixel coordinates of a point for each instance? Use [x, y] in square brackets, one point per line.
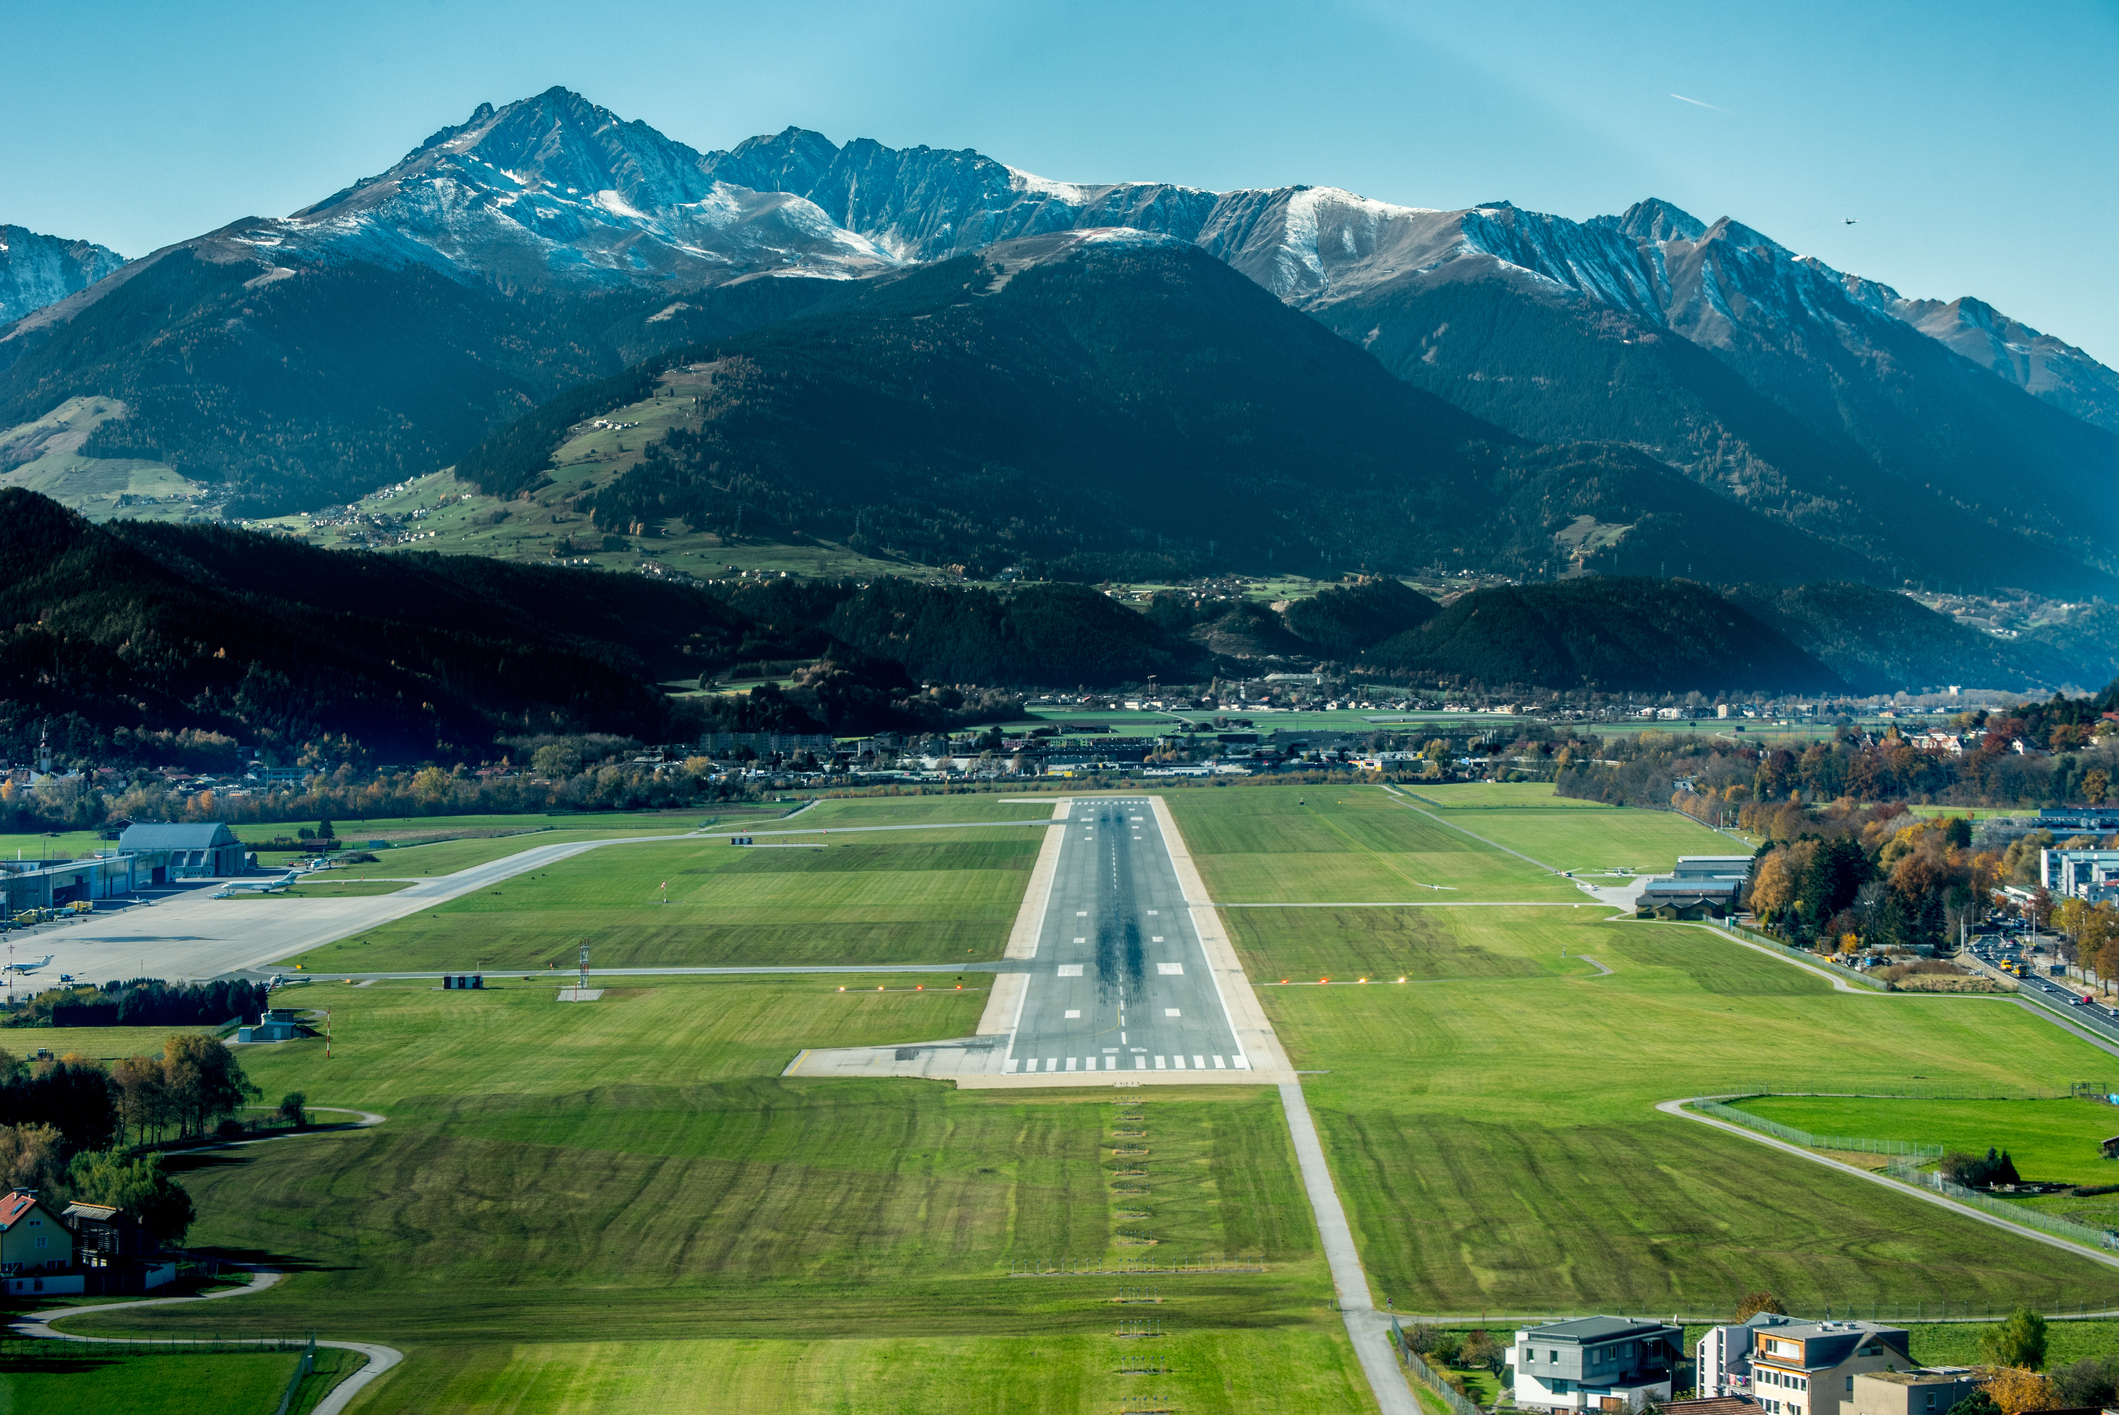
[1119, 981]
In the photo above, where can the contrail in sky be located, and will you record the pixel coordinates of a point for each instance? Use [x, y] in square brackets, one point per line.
[1697, 104]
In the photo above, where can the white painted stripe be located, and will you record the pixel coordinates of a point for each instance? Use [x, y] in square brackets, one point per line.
[1155, 938]
[1070, 970]
[1178, 1062]
[1081, 913]
[1159, 1064]
[1220, 1065]
[1199, 1063]
[1169, 970]
[1140, 1063]
[1010, 1067]
[1242, 1065]
[1052, 1063]
[1172, 1012]
[1073, 1012]
[1079, 939]
[1070, 1063]
[1031, 1064]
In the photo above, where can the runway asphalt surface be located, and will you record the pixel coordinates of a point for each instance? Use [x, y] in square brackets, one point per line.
[1119, 981]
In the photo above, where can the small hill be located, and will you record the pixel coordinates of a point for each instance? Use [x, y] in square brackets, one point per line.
[1608, 634]
[1346, 619]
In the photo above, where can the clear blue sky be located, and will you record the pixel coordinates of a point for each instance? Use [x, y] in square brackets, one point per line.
[1976, 144]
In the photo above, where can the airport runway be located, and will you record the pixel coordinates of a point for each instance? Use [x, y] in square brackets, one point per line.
[1119, 981]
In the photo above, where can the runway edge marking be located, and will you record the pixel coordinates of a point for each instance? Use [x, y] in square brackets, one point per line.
[1004, 1004]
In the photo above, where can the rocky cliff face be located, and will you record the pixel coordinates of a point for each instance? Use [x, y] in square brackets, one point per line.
[37, 270]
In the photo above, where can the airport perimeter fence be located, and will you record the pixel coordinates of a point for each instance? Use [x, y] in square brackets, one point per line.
[1766, 941]
[2039, 1219]
[1790, 1133]
[302, 1369]
[1458, 1403]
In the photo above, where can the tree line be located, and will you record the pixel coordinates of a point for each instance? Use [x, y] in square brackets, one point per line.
[68, 1127]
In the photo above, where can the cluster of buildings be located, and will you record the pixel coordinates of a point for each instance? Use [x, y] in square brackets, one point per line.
[85, 1248]
[1701, 887]
[1769, 1365]
[146, 855]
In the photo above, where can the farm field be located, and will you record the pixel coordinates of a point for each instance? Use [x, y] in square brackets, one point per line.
[801, 1245]
[927, 896]
[1344, 844]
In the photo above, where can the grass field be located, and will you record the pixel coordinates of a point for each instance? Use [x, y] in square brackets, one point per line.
[1345, 844]
[1495, 1142]
[2052, 1140]
[925, 896]
[54, 1376]
[104, 1043]
[326, 887]
[634, 1172]
[1496, 795]
[448, 856]
[1491, 1125]
[918, 810]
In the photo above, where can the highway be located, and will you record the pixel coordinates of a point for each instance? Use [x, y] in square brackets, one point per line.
[1119, 981]
[2095, 1017]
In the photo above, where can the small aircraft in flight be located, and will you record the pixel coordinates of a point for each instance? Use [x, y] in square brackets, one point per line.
[1850, 221]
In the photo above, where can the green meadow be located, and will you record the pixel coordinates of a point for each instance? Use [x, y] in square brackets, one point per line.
[1345, 844]
[916, 896]
[1495, 1139]
[2052, 1140]
[56, 1377]
[604, 1206]
[918, 810]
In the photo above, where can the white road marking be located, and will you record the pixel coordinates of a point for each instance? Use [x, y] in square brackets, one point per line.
[1199, 1063]
[1081, 940]
[1159, 1064]
[1070, 1063]
[1153, 912]
[1171, 1012]
[1070, 970]
[1052, 1063]
[1140, 1063]
[1010, 1067]
[1178, 1062]
[1242, 1065]
[1155, 938]
[1220, 1065]
[1081, 913]
[1073, 1012]
[1170, 970]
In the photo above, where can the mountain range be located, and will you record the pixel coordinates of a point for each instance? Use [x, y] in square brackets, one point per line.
[547, 244]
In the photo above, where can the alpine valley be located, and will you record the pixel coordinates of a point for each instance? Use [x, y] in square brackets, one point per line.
[930, 358]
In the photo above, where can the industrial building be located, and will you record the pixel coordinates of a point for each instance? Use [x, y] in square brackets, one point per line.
[194, 851]
[2080, 874]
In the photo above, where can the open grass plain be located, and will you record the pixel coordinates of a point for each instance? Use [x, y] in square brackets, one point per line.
[618, 1205]
[55, 1377]
[603, 1206]
[907, 896]
[1491, 1126]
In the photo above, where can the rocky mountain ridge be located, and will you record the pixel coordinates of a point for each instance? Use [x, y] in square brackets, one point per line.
[38, 270]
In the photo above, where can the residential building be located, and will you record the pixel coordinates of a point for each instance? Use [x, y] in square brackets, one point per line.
[1722, 1358]
[32, 1239]
[116, 1255]
[2080, 874]
[1595, 1363]
[1920, 1391]
[1808, 1368]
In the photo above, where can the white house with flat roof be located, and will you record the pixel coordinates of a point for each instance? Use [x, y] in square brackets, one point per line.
[1595, 1363]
